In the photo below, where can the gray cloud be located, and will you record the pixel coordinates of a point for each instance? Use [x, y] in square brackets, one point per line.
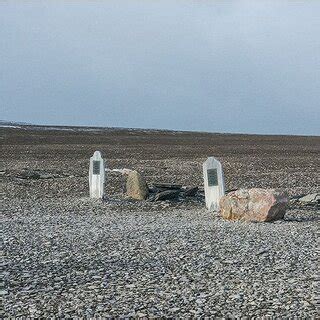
[231, 66]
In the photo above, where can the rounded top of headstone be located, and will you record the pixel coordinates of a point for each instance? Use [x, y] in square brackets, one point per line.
[97, 154]
[212, 160]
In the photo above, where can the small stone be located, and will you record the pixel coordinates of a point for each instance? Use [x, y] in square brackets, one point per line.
[262, 251]
[200, 301]
[141, 315]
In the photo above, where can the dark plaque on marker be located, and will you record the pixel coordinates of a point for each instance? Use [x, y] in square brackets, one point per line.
[212, 177]
[96, 167]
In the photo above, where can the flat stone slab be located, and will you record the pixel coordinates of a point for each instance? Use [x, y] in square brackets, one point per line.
[191, 191]
[313, 197]
[170, 186]
[167, 195]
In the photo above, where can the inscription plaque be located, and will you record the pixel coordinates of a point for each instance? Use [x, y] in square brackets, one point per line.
[96, 167]
[212, 177]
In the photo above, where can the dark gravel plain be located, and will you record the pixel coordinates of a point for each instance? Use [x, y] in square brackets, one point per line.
[66, 255]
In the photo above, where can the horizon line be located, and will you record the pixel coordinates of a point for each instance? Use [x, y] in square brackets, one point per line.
[27, 124]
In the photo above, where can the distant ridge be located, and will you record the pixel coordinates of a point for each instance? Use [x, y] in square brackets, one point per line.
[78, 128]
[14, 123]
[26, 126]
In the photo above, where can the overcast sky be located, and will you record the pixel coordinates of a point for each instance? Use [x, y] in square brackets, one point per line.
[219, 66]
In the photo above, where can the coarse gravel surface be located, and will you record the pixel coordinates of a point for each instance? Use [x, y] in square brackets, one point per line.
[65, 255]
[81, 257]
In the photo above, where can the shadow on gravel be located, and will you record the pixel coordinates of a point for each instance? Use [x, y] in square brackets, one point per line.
[302, 214]
[301, 219]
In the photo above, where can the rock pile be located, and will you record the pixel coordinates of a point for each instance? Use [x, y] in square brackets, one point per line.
[137, 188]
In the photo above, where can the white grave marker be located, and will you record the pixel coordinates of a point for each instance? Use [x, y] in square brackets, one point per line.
[96, 176]
[213, 183]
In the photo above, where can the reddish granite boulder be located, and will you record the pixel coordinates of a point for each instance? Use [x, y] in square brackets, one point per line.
[256, 205]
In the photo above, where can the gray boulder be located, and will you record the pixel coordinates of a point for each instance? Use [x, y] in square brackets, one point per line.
[136, 186]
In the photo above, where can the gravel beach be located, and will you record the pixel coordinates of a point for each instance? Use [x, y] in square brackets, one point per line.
[66, 255]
